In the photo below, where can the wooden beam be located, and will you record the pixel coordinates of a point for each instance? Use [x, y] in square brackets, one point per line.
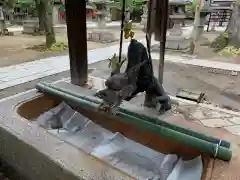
[77, 40]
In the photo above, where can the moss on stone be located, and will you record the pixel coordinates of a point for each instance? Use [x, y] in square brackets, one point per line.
[220, 42]
[56, 47]
[230, 51]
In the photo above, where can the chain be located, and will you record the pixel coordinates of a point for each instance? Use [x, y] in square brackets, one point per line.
[136, 67]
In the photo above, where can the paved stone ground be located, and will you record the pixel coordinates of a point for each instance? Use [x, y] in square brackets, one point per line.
[220, 89]
[206, 115]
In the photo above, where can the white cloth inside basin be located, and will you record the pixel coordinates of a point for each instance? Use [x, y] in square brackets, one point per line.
[132, 158]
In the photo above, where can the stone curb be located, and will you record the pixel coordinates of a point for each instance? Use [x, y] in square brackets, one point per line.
[16, 95]
[31, 90]
[217, 70]
[99, 83]
[20, 29]
[195, 62]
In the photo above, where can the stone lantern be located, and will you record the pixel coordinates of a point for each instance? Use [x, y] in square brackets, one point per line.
[144, 17]
[101, 33]
[101, 12]
[175, 39]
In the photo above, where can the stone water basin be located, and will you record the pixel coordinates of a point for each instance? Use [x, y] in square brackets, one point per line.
[37, 153]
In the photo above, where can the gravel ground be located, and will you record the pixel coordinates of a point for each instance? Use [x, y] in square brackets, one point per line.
[13, 49]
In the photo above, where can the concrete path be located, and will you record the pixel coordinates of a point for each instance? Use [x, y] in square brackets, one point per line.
[90, 25]
[21, 73]
[16, 28]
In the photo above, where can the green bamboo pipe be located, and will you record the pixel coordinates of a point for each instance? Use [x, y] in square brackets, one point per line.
[195, 143]
[67, 97]
[189, 132]
[214, 140]
[189, 141]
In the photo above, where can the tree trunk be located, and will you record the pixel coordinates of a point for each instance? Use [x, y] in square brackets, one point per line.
[195, 32]
[45, 7]
[48, 23]
[40, 12]
[233, 28]
[2, 27]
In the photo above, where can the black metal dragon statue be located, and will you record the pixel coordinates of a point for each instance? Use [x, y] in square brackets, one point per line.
[138, 77]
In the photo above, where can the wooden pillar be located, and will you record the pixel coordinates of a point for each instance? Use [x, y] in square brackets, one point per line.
[77, 40]
[163, 21]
